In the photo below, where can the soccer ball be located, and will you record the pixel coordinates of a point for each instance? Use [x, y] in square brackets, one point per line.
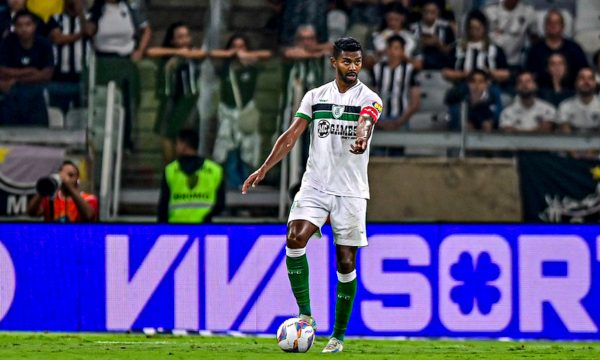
[295, 335]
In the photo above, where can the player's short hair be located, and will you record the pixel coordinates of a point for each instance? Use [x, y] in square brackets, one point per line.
[70, 163]
[189, 137]
[396, 38]
[476, 72]
[345, 44]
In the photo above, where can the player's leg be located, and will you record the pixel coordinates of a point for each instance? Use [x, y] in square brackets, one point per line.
[346, 288]
[299, 232]
[308, 213]
[348, 221]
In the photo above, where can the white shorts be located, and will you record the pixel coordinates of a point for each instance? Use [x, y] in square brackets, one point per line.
[348, 215]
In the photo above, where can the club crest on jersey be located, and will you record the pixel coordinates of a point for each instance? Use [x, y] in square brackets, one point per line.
[337, 111]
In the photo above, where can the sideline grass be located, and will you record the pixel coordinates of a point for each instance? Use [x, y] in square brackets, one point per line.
[129, 346]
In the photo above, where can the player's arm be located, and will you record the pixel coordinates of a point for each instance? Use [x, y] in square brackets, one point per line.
[368, 117]
[282, 147]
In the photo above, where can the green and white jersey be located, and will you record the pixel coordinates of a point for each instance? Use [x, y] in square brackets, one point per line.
[333, 117]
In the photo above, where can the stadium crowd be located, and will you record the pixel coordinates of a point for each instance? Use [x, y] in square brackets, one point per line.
[519, 66]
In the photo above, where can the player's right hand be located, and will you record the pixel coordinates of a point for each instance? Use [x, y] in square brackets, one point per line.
[253, 179]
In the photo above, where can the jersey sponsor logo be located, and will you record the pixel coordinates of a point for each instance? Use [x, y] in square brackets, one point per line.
[325, 128]
[377, 106]
[337, 111]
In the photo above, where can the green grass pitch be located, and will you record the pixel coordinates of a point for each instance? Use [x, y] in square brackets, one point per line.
[129, 346]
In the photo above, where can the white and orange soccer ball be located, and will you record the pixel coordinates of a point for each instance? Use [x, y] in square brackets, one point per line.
[295, 335]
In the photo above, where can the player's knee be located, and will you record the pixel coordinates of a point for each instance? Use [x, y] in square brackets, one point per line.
[295, 240]
[346, 264]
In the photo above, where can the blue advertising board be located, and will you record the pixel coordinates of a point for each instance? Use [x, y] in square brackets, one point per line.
[517, 281]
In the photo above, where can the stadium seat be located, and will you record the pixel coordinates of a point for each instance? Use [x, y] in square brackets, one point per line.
[567, 15]
[433, 90]
[76, 119]
[56, 119]
[429, 120]
[587, 15]
[589, 40]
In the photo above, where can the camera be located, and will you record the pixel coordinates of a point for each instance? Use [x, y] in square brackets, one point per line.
[47, 186]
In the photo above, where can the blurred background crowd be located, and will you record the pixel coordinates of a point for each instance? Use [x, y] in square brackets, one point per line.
[234, 71]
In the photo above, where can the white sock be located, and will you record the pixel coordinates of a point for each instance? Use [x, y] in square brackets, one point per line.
[294, 253]
[346, 278]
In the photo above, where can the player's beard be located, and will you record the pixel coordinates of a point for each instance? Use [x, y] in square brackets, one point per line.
[345, 78]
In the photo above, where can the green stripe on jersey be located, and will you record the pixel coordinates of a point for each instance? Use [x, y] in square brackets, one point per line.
[329, 115]
[303, 116]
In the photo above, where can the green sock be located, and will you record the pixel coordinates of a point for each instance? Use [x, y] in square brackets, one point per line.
[343, 307]
[298, 274]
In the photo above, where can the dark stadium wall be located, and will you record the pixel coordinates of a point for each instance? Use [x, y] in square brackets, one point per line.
[444, 190]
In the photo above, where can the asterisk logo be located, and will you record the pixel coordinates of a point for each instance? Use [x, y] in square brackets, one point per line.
[474, 288]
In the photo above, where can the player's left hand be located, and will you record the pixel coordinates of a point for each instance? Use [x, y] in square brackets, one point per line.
[359, 146]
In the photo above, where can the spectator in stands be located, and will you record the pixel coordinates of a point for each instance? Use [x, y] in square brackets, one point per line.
[121, 36]
[69, 204]
[480, 105]
[177, 87]
[7, 18]
[435, 36]
[364, 17]
[555, 42]
[298, 12]
[512, 23]
[596, 59]
[417, 9]
[527, 113]
[556, 88]
[396, 84]
[237, 144]
[394, 24]
[192, 188]
[304, 69]
[306, 45]
[71, 48]
[581, 113]
[476, 52]
[26, 65]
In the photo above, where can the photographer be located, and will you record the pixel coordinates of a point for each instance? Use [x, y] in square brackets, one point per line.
[60, 200]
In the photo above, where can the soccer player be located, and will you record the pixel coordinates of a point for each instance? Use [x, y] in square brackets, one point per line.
[341, 115]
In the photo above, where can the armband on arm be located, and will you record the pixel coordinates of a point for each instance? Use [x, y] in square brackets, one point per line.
[371, 112]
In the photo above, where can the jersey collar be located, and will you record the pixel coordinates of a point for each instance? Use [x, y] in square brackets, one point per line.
[358, 82]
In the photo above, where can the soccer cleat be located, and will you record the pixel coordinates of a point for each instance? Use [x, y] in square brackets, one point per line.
[310, 320]
[334, 345]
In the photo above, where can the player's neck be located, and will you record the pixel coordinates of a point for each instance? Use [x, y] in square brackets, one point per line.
[343, 86]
